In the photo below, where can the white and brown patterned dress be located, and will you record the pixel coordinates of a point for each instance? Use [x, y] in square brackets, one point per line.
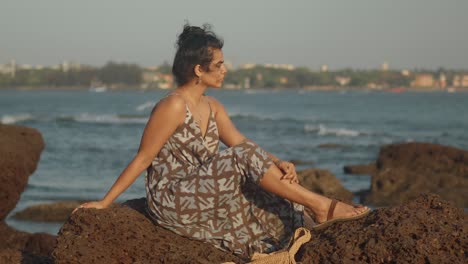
[197, 191]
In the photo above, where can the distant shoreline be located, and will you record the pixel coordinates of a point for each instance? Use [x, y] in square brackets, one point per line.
[315, 88]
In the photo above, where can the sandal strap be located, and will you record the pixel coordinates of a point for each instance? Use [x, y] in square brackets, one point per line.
[331, 209]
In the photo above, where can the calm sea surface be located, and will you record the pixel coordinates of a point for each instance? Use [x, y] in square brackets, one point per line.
[90, 137]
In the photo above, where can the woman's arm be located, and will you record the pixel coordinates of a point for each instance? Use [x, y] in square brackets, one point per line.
[167, 115]
[230, 136]
[228, 133]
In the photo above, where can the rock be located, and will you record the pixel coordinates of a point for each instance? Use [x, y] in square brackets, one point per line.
[12, 256]
[406, 170]
[20, 149]
[325, 183]
[122, 234]
[40, 244]
[365, 169]
[332, 145]
[55, 212]
[425, 230]
[37, 246]
[299, 162]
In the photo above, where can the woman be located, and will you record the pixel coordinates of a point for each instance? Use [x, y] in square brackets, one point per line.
[242, 199]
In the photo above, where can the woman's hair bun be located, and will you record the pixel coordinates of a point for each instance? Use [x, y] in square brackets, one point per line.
[194, 34]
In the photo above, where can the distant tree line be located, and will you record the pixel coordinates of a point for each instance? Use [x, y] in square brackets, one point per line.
[131, 75]
[111, 73]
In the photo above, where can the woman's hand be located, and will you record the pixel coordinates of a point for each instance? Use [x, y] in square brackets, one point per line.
[289, 171]
[95, 204]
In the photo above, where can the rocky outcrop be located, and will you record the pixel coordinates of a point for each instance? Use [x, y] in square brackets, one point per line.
[403, 171]
[425, 230]
[325, 183]
[124, 235]
[53, 212]
[362, 169]
[20, 149]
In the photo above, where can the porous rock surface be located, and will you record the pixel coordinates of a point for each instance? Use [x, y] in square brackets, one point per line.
[123, 235]
[406, 170]
[425, 230]
[20, 149]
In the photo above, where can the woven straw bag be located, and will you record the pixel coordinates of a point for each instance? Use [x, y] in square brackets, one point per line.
[301, 236]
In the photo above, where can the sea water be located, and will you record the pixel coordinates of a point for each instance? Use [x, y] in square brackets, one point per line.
[90, 137]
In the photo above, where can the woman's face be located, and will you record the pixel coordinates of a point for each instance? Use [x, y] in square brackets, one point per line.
[214, 77]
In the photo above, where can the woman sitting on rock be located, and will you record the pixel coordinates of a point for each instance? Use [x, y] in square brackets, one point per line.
[242, 199]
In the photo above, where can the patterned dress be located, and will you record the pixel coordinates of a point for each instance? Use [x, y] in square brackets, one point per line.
[197, 191]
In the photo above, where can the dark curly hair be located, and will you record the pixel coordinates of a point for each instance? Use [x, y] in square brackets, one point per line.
[194, 46]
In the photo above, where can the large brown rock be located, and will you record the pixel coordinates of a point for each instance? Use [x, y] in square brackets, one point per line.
[406, 170]
[363, 169]
[123, 235]
[20, 149]
[14, 244]
[325, 183]
[425, 230]
[50, 212]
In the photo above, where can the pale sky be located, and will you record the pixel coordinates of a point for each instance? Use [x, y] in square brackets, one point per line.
[346, 33]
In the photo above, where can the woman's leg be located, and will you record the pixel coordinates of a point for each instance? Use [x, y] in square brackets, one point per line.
[294, 192]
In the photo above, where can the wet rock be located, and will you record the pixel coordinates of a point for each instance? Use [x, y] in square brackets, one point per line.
[325, 183]
[121, 234]
[425, 230]
[37, 245]
[20, 149]
[403, 171]
[12, 256]
[298, 162]
[54, 212]
[332, 145]
[363, 169]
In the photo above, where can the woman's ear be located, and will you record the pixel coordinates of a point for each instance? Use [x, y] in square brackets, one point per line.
[198, 70]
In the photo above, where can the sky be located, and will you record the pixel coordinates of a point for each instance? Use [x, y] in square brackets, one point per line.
[361, 34]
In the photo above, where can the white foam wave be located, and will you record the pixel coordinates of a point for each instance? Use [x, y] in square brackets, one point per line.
[12, 119]
[145, 106]
[109, 119]
[322, 130]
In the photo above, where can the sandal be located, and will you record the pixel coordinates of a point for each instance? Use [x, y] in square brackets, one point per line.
[330, 220]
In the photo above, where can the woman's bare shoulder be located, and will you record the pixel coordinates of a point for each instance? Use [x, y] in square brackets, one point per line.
[170, 106]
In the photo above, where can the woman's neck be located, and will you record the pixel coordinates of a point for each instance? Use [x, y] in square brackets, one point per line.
[192, 91]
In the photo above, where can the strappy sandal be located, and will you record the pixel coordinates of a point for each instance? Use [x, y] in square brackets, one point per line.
[331, 220]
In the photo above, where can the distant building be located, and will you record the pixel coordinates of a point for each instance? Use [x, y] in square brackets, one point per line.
[247, 83]
[248, 66]
[343, 80]
[324, 68]
[154, 79]
[423, 80]
[384, 66]
[442, 81]
[456, 82]
[288, 67]
[283, 80]
[405, 73]
[464, 81]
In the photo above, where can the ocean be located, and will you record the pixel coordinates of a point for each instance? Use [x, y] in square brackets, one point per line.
[91, 136]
